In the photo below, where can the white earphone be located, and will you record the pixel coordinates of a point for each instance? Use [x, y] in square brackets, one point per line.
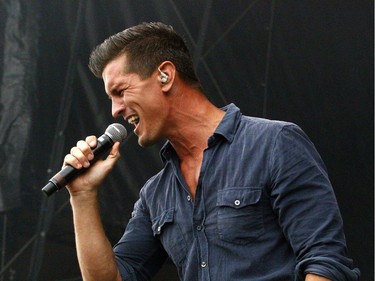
[163, 77]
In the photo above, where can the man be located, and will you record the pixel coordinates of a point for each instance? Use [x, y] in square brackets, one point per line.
[239, 198]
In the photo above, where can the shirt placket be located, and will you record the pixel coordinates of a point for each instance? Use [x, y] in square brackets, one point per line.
[200, 235]
[199, 215]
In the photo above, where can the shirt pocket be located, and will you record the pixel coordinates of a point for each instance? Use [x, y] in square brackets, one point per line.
[240, 215]
[170, 235]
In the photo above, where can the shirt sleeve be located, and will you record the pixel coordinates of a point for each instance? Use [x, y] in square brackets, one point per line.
[303, 199]
[139, 255]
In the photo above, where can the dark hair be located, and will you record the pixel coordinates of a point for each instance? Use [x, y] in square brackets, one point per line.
[147, 45]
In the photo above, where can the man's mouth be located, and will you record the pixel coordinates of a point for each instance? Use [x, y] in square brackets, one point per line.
[133, 120]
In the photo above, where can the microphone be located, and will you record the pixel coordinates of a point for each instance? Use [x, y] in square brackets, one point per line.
[114, 133]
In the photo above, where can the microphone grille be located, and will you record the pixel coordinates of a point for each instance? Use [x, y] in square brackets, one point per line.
[116, 132]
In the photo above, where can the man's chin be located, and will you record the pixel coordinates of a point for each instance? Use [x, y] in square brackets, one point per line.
[143, 142]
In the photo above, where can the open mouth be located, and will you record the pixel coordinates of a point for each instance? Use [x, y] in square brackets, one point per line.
[133, 120]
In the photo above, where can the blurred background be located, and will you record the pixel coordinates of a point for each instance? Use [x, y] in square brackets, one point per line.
[307, 62]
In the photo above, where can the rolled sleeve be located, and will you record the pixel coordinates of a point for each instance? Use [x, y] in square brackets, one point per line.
[326, 267]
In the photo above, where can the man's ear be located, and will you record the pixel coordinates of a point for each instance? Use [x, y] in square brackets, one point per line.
[167, 74]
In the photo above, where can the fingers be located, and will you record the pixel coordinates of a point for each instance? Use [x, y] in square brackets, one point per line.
[91, 140]
[81, 154]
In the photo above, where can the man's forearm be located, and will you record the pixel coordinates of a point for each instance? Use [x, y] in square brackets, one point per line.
[95, 255]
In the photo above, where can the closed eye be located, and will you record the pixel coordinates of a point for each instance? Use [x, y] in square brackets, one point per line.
[116, 93]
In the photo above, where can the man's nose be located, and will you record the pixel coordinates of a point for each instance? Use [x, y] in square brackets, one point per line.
[117, 108]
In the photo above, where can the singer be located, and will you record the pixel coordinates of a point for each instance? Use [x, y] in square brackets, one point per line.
[239, 198]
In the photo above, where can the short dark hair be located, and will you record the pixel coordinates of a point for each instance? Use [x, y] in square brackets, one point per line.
[147, 45]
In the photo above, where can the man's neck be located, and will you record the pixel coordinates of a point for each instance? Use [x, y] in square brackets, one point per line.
[195, 121]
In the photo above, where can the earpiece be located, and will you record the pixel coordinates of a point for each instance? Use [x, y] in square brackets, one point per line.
[163, 77]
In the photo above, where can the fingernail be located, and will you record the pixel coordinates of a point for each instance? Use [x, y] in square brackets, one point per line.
[90, 156]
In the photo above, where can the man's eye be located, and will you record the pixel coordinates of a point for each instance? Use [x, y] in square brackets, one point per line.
[118, 94]
[121, 93]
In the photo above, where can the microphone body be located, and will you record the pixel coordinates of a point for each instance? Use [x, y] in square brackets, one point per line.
[115, 132]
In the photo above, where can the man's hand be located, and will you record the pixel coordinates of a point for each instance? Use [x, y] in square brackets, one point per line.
[80, 157]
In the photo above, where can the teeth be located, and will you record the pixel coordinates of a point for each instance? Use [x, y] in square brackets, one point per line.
[133, 120]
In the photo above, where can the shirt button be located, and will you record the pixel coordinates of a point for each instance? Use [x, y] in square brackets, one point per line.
[188, 198]
[237, 202]
[203, 264]
[199, 227]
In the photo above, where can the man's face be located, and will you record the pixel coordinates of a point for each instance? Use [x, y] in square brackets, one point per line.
[140, 102]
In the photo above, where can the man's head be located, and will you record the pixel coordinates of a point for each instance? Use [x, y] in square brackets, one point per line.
[146, 46]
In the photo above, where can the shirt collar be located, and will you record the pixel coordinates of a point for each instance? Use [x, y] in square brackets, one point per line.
[229, 124]
[226, 128]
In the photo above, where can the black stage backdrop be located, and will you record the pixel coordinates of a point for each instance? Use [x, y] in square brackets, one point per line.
[308, 62]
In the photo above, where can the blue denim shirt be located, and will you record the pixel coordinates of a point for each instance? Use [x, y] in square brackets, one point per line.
[264, 210]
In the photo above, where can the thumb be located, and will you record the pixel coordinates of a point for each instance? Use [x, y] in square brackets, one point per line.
[104, 167]
[114, 154]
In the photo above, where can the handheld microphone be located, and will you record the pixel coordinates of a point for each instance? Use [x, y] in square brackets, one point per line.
[114, 133]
